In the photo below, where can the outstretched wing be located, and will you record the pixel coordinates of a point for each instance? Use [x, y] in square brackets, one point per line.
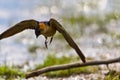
[27, 24]
[70, 41]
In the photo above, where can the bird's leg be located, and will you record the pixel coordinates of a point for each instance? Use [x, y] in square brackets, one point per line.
[46, 42]
[51, 40]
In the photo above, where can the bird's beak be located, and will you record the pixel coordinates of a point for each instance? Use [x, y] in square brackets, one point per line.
[37, 32]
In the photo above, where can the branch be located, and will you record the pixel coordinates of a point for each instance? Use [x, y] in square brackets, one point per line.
[71, 65]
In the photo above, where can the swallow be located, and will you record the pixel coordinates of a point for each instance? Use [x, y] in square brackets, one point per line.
[45, 28]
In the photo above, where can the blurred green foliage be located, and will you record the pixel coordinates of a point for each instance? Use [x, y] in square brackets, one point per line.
[9, 73]
[33, 48]
[113, 75]
[53, 60]
[85, 21]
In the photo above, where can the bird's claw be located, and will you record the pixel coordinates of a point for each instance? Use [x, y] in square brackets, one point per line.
[51, 40]
[46, 42]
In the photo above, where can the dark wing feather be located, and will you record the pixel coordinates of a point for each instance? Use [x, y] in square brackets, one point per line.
[27, 24]
[70, 41]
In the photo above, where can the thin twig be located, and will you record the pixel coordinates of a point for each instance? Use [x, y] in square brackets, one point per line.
[68, 66]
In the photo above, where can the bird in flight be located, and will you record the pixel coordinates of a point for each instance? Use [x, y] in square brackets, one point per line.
[45, 28]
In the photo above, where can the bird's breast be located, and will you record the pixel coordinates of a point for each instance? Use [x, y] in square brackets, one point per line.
[49, 31]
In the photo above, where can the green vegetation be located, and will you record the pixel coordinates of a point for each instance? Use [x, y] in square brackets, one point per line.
[115, 35]
[85, 21]
[113, 75]
[32, 48]
[53, 60]
[99, 20]
[9, 73]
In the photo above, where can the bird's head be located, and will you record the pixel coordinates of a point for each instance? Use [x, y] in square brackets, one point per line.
[39, 29]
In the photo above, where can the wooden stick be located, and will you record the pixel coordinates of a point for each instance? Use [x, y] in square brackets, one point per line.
[71, 65]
